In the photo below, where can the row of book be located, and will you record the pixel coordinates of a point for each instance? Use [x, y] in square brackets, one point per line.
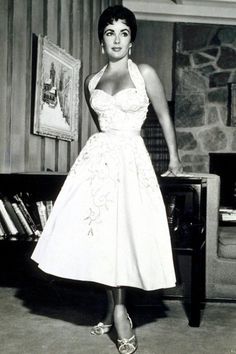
[23, 218]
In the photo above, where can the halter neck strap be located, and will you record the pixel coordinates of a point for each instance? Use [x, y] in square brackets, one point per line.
[134, 72]
[95, 79]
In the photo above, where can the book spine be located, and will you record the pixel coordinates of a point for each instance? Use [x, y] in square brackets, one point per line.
[2, 232]
[20, 215]
[42, 213]
[26, 213]
[49, 206]
[9, 223]
[228, 217]
[13, 215]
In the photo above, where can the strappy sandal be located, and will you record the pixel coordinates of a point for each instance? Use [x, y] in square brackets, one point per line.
[100, 329]
[127, 346]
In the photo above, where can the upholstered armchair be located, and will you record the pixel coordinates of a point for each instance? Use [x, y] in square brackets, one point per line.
[220, 246]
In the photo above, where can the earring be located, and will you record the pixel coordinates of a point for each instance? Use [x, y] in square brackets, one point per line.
[103, 52]
[129, 51]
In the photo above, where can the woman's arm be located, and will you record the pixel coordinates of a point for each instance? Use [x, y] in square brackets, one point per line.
[87, 98]
[157, 97]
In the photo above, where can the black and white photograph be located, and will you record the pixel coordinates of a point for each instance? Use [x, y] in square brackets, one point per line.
[117, 175]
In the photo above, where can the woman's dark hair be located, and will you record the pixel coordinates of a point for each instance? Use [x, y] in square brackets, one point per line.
[115, 13]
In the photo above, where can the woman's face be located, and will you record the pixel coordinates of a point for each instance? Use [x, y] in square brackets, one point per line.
[117, 40]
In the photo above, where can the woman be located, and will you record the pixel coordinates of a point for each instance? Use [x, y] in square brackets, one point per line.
[108, 224]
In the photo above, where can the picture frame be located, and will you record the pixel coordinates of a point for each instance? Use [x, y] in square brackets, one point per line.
[231, 104]
[56, 104]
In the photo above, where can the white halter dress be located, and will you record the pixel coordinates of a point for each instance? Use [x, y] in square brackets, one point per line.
[109, 224]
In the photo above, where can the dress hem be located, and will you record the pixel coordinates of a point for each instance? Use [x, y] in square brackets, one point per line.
[108, 284]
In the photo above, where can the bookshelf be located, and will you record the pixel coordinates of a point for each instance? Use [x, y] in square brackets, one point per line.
[34, 192]
[154, 140]
[15, 250]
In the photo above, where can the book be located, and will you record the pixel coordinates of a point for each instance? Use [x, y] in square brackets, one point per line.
[27, 216]
[13, 215]
[227, 210]
[42, 213]
[49, 206]
[10, 226]
[23, 220]
[2, 232]
[227, 214]
[228, 217]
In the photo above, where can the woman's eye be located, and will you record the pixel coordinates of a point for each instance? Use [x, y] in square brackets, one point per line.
[125, 34]
[109, 33]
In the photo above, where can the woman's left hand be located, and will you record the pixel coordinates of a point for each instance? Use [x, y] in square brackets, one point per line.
[175, 168]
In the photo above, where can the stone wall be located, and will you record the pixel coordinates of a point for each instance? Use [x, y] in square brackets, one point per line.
[205, 65]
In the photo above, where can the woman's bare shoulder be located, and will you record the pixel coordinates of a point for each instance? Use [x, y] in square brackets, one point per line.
[147, 71]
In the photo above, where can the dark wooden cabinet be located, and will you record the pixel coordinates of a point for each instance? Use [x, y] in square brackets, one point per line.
[185, 200]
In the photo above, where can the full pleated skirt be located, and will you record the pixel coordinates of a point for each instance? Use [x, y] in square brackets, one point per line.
[109, 224]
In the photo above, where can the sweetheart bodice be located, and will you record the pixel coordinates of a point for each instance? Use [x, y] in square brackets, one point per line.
[125, 110]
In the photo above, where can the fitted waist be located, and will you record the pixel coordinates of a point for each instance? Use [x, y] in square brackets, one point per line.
[123, 133]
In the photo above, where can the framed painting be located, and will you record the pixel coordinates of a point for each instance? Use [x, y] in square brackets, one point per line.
[56, 92]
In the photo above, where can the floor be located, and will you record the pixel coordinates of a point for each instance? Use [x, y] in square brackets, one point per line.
[55, 318]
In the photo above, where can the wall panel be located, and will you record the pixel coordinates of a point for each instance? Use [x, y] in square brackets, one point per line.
[51, 9]
[28, 83]
[72, 24]
[36, 144]
[64, 42]
[5, 79]
[19, 94]
[86, 67]
[76, 50]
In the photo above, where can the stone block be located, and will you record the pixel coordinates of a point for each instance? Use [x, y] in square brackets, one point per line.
[195, 163]
[213, 52]
[227, 59]
[207, 70]
[224, 114]
[194, 159]
[219, 79]
[218, 95]
[200, 59]
[190, 110]
[227, 35]
[186, 141]
[213, 116]
[190, 81]
[213, 139]
[182, 60]
[234, 140]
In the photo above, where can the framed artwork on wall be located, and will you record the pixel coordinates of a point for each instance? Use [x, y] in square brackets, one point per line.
[56, 103]
[232, 104]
